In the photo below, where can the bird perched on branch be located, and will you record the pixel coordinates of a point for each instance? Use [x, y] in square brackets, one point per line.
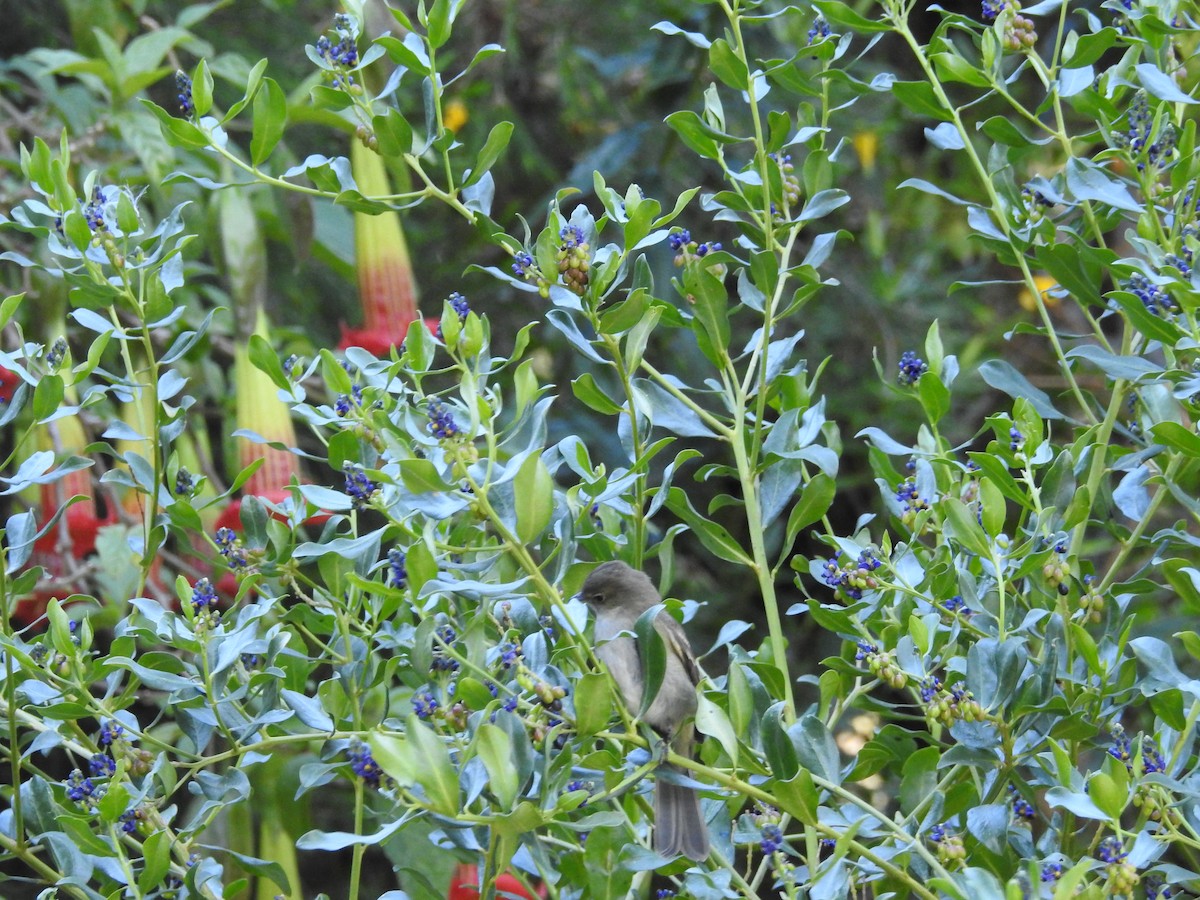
[618, 595]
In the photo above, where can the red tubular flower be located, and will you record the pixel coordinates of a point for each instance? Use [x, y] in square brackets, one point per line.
[386, 286]
[465, 880]
[75, 533]
[8, 384]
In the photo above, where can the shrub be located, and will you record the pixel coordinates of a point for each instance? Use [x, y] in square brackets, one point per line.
[388, 620]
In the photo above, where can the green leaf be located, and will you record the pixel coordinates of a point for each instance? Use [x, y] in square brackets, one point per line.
[589, 393]
[725, 64]
[653, 652]
[1178, 437]
[706, 291]
[178, 132]
[1087, 180]
[1108, 796]
[919, 97]
[952, 67]
[714, 537]
[533, 491]
[815, 500]
[156, 860]
[495, 749]
[995, 510]
[698, 135]
[270, 119]
[778, 746]
[934, 396]
[253, 82]
[838, 13]
[9, 307]
[798, 797]
[593, 703]
[421, 476]
[432, 767]
[441, 17]
[1003, 377]
[394, 133]
[264, 358]
[493, 147]
[47, 396]
[712, 720]
[962, 527]
[202, 87]
[405, 55]
[816, 749]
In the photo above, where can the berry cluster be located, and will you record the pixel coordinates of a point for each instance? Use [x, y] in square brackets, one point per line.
[574, 259]
[360, 488]
[854, 577]
[441, 421]
[881, 665]
[687, 249]
[363, 764]
[183, 93]
[912, 367]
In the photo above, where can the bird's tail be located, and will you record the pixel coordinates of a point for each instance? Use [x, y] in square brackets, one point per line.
[679, 822]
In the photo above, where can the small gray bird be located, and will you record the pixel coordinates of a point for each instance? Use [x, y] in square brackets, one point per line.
[619, 594]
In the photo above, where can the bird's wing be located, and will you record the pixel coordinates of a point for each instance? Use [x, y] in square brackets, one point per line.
[676, 640]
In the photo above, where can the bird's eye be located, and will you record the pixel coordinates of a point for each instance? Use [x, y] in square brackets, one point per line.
[597, 598]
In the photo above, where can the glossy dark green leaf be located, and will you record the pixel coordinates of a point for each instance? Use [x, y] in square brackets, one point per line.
[816, 749]
[652, 650]
[919, 97]
[533, 493]
[493, 147]
[202, 87]
[588, 392]
[838, 13]
[964, 528]
[495, 749]
[713, 536]
[778, 746]
[431, 766]
[270, 120]
[47, 396]
[725, 64]
[698, 135]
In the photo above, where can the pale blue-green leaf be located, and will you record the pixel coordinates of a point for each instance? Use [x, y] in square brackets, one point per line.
[989, 825]
[1160, 84]
[823, 203]
[693, 37]
[928, 188]
[981, 220]
[1131, 496]
[945, 137]
[883, 442]
[1003, 377]
[308, 710]
[340, 840]
[1087, 180]
[1130, 368]
[1074, 802]
[1074, 81]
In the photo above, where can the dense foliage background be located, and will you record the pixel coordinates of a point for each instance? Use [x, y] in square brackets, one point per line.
[869, 330]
